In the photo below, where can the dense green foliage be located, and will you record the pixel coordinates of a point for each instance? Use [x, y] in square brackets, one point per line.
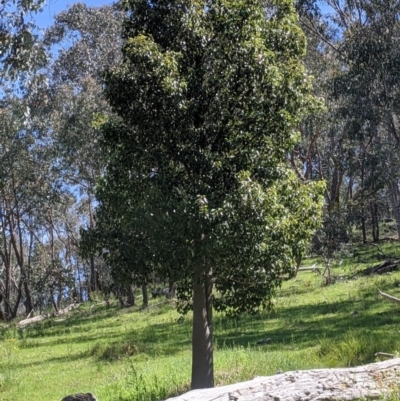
[208, 110]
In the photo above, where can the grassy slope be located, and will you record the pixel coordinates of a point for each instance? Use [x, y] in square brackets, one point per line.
[130, 354]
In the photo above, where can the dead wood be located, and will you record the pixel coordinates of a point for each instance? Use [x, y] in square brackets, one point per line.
[345, 384]
[313, 268]
[68, 309]
[384, 267]
[26, 322]
[385, 355]
[390, 297]
[31, 320]
[379, 249]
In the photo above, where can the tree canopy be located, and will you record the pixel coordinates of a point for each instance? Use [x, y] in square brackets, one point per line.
[19, 45]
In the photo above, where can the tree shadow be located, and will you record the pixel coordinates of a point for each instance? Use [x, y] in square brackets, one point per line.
[304, 325]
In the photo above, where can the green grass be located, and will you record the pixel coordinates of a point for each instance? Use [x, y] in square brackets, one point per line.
[134, 354]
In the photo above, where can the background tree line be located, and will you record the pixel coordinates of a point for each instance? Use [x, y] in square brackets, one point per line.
[352, 54]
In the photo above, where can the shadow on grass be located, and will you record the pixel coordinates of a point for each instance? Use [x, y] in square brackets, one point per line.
[352, 337]
[299, 326]
[155, 340]
[288, 327]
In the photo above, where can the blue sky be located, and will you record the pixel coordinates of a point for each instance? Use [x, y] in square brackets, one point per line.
[53, 7]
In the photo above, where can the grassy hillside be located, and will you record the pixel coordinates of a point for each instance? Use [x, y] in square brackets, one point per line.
[135, 354]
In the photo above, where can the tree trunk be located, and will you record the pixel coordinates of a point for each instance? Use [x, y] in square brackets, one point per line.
[364, 232]
[337, 178]
[18, 300]
[131, 295]
[5, 253]
[28, 301]
[202, 343]
[19, 250]
[372, 381]
[7, 294]
[145, 296]
[93, 280]
[1, 312]
[53, 301]
[394, 199]
[118, 294]
[121, 300]
[59, 298]
[79, 282]
[375, 222]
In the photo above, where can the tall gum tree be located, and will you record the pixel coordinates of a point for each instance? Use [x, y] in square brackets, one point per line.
[89, 41]
[208, 99]
[20, 49]
[354, 55]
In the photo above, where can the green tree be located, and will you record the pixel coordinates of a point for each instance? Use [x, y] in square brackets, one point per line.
[19, 46]
[353, 53]
[208, 99]
[27, 185]
[89, 39]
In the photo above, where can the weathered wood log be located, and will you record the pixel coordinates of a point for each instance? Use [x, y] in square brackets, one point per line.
[31, 320]
[68, 309]
[314, 269]
[345, 384]
[26, 322]
[390, 297]
[385, 355]
[384, 267]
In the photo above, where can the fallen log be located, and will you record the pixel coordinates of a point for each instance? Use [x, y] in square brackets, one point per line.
[66, 310]
[385, 355]
[26, 322]
[390, 297]
[345, 384]
[384, 267]
[31, 320]
[312, 268]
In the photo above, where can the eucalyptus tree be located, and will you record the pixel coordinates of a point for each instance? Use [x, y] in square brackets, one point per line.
[56, 269]
[54, 141]
[26, 184]
[370, 88]
[87, 41]
[208, 99]
[20, 48]
[353, 53]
